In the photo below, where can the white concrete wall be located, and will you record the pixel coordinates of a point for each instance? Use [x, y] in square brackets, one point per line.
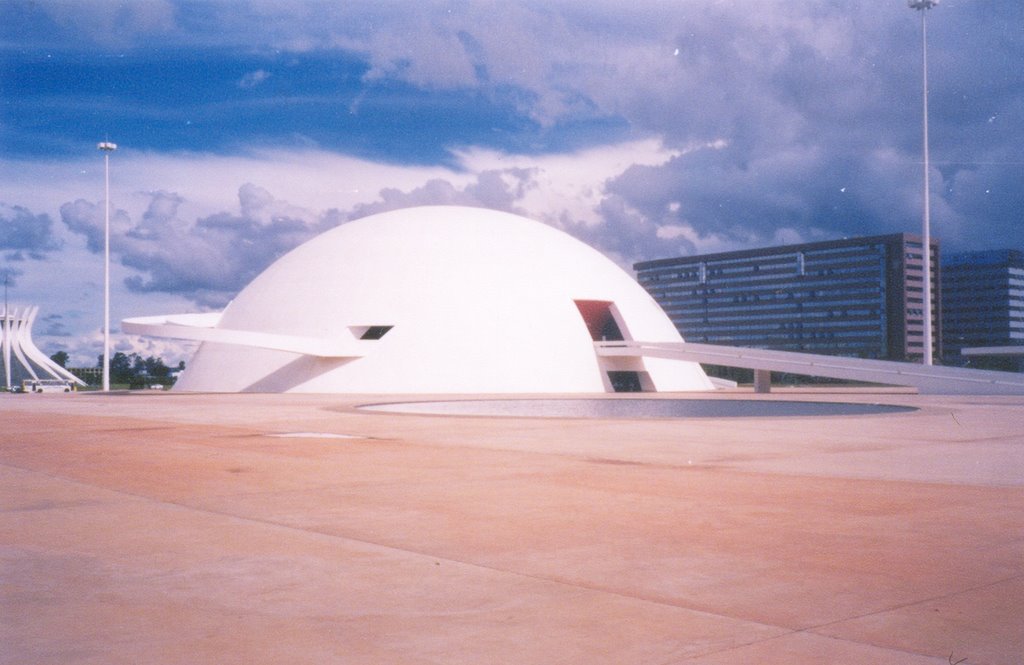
[479, 301]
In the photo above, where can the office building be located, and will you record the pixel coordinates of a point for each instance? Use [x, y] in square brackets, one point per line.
[860, 297]
[983, 306]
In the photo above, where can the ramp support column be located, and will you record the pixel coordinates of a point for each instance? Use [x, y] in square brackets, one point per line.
[762, 381]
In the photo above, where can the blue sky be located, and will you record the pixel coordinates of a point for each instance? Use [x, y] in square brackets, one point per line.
[648, 129]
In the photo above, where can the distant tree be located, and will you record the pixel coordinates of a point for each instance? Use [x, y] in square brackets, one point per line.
[156, 368]
[137, 371]
[120, 367]
[61, 358]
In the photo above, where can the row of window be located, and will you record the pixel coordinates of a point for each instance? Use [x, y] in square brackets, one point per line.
[817, 314]
[789, 258]
[820, 289]
[987, 312]
[835, 342]
[696, 326]
[704, 275]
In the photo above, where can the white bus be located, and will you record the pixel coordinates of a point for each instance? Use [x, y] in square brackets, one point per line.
[46, 386]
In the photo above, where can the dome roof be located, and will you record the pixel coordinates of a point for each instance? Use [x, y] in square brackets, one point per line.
[442, 300]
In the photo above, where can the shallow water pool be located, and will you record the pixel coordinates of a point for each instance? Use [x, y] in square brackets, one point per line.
[637, 408]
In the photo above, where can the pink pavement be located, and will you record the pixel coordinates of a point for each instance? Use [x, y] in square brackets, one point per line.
[187, 528]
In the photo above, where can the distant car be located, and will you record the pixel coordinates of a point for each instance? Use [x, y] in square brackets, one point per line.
[45, 386]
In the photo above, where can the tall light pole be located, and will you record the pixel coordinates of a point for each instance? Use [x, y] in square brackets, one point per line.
[107, 147]
[923, 6]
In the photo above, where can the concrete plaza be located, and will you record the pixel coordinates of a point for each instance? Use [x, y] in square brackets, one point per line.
[188, 528]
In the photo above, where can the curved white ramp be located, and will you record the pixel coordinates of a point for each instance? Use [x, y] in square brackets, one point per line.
[928, 379]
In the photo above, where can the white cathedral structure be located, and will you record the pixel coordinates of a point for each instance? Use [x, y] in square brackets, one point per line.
[22, 360]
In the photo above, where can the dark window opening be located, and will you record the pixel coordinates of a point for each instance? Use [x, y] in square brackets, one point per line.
[625, 382]
[600, 321]
[375, 332]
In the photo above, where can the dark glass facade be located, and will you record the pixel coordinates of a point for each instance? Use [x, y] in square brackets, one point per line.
[983, 305]
[861, 297]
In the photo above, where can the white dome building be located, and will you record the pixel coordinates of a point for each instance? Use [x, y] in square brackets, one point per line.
[432, 300]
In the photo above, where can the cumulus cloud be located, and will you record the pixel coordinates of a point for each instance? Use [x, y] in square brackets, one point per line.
[812, 97]
[24, 236]
[175, 246]
[85, 349]
[210, 258]
[207, 259]
[253, 79]
[105, 23]
[53, 325]
[9, 275]
[25, 233]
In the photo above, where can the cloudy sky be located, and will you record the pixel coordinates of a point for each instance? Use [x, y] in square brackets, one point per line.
[646, 128]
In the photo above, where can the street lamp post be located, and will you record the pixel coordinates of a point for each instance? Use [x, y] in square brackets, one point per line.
[107, 147]
[923, 6]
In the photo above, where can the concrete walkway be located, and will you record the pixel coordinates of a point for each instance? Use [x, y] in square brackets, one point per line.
[172, 528]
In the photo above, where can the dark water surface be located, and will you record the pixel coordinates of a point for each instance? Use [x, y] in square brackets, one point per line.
[637, 408]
